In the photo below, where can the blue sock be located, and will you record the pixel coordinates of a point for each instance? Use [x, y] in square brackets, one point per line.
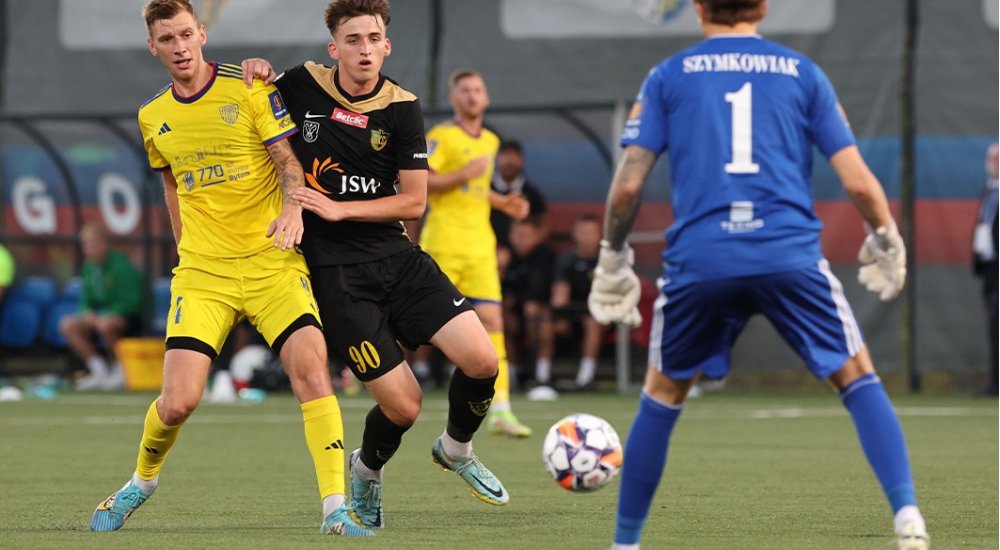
[881, 438]
[645, 457]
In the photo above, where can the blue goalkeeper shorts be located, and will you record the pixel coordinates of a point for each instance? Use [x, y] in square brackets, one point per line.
[696, 323]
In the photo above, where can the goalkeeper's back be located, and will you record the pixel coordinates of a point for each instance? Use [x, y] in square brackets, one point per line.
[738, 117]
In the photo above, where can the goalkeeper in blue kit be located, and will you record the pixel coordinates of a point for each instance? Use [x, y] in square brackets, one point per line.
[738, 116]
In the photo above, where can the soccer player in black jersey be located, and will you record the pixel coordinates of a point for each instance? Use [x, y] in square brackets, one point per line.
[363, 149]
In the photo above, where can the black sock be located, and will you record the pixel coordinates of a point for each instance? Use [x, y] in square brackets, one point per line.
[380, 440]
[468, 402]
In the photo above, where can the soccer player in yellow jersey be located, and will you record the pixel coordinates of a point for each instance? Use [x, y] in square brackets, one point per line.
[227, 173]
[457, 231]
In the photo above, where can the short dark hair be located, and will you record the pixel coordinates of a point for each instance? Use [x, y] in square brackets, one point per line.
[731, 12]
[338, 10]
[158, 10]
[511, 145]
[533, 220]
[459, 74]
[588, 217]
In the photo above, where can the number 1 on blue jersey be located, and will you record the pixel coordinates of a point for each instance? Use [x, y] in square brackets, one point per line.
[742, 128]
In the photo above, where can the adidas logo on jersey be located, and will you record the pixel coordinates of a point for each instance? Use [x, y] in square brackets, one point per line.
[163, 129]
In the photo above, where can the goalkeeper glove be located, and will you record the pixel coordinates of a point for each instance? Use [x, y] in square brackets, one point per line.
[883, 262]
[614, 293]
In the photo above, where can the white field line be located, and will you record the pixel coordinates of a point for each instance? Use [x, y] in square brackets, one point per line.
[437, 409]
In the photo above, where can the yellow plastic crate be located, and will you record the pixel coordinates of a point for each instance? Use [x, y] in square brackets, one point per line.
[142, 361]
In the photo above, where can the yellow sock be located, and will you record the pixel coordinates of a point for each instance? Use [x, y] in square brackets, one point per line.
[157, 439]
[325, 439]
[502, 384]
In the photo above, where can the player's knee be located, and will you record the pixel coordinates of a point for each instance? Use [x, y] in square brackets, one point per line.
[404, 412]
[313, 378]
[176, 410]
[483, 365]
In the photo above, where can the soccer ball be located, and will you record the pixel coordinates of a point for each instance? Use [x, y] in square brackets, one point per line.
[582, 452]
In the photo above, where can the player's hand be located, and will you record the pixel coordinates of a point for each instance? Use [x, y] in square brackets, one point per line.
[475, 168]
[317, 203]
[287, 227]
[515, 206]
[256, 67]
[614, 293]
[883, 262]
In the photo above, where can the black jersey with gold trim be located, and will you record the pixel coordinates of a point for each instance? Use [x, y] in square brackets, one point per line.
[352, 149]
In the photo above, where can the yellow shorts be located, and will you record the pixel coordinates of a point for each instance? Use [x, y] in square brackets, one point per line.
[208, 296]
[476, 277]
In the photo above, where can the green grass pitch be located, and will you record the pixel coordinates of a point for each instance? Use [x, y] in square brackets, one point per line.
[744, 471]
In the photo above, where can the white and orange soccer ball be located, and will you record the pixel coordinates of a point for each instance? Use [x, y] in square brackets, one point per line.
[582, 452]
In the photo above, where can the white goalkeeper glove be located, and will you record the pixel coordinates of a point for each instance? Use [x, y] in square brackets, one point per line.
[883, 262]
[614, 293]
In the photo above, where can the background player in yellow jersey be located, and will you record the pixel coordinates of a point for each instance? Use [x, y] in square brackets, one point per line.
[457, 230]
[227, 173]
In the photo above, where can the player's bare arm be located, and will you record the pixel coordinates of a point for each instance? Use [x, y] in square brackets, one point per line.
[883, 252]
[408, 204]
[440, 182]
[862, 186]
[287, 227]
[173, 205]
[626, 190]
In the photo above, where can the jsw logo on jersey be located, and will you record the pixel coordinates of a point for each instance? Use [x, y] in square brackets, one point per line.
[358, 184]
[349, 118]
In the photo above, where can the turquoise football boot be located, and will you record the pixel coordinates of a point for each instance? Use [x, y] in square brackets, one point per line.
[366, 496]
[111, 514]
[344, 522]
[482, 483]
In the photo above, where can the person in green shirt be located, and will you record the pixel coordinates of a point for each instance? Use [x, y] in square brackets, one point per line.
[6, 270]
[110, 307]
[7, 392]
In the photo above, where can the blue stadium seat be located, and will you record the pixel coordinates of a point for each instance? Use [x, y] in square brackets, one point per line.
[25, 306]
[39, 290]
[72, 290]
[19, 325]
[161, 305]
[67, 303]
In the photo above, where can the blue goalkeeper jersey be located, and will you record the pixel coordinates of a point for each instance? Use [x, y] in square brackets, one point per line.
[738, 116]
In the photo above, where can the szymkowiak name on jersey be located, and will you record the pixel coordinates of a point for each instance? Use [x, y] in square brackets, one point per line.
[352, 149]
[743, 113]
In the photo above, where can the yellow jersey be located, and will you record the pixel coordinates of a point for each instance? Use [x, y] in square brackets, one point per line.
[214, 143]
[458, 220]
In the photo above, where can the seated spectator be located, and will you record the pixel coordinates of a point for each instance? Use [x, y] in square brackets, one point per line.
[7, 392]
[527, 287]
[6, 270]
[509, 178]
[573, 274]
[110, 307]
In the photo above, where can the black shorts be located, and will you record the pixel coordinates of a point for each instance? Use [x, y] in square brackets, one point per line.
[369, 309]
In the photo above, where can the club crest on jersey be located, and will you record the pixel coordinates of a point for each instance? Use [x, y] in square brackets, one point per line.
[310, 131]
[230, 113]
[379, 139]
[188, 181]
